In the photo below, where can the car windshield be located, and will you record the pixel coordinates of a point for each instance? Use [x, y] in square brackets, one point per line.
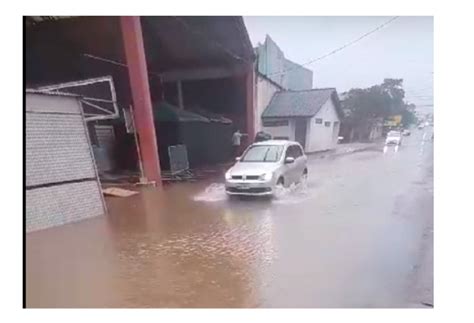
[393, 134]
[262, 153]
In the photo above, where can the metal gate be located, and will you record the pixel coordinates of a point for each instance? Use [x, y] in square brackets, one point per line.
[178, 158]
[61, 179]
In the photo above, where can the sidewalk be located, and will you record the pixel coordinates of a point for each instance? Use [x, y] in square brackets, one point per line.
[345, 149]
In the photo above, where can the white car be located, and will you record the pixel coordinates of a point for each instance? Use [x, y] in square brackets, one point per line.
[394, 138]
[264, 165]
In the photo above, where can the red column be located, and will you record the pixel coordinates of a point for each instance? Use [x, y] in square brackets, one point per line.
[142, 107]
[249, 102]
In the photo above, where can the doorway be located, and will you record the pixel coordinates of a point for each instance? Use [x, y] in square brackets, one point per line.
[300, 131]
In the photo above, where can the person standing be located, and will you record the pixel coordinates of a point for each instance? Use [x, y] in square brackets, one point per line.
[236, 141]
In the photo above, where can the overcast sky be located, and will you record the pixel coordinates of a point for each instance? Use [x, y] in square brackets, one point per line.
[402, 49]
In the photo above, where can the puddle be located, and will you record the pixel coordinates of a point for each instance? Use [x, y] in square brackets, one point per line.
[387, 148]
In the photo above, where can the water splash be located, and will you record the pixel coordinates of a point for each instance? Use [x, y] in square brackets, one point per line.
[213, 193]
[293, 194]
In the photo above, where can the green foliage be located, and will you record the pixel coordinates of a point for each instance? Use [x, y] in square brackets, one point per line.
[408, 118]
[378, 101]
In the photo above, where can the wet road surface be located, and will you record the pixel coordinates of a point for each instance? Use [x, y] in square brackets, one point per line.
[352, 236]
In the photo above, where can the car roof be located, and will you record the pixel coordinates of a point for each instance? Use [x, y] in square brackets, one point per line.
[275, 143]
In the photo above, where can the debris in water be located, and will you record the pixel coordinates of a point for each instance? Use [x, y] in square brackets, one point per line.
[118, 192]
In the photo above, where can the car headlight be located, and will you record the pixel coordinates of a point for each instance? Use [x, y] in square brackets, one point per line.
[228, 175]
[266, 176]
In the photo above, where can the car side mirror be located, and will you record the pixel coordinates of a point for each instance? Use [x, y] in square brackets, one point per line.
[237, 158]
[289, 160]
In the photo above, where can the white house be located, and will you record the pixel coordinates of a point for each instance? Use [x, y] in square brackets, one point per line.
[311, 117]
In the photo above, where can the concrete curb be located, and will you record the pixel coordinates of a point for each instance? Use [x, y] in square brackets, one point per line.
[339, 154]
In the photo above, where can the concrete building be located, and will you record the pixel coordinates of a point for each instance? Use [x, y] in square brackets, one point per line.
[272, 63]
[265, 89]
[311, 117]
[276, 73]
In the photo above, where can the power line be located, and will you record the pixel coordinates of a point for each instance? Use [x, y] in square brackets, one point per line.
[341, 47]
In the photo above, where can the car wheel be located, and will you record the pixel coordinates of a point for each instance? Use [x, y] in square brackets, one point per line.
[304, 176]
[281, 181]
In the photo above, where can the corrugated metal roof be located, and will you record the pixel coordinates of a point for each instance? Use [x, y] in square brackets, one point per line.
[299, 103]
[55, 93]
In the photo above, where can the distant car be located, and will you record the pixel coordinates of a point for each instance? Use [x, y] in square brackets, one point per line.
[421, 126]
[406, 132]
[262, 136]
[265, 165]
[394, 138]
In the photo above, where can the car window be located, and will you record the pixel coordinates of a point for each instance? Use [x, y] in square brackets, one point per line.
[262, 153]
[291, 152]
[298, 151]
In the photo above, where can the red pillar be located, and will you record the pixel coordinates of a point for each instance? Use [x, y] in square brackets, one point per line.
[142, 107]
[249, 102]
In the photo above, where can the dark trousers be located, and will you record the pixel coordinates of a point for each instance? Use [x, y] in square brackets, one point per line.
[235, 151]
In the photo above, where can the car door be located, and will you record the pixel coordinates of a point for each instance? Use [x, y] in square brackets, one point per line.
[300, 162]
[290, 168]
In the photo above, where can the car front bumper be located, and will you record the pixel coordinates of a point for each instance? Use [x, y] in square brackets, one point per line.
[249, 188]
[392, 142]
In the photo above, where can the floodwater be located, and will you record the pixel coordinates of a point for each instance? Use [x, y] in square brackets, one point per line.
[351, 236]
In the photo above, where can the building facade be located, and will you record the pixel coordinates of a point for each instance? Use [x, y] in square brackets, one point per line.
[272, 63]
[310, 117]
[265, 89]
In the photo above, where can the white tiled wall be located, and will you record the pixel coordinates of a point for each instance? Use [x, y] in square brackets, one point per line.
[58, 150]
[60, 204]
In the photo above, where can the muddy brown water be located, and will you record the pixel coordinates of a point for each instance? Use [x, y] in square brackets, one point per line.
[156, 249]
[350, 238]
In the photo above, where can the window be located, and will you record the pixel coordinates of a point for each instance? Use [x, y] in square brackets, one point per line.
[261, 153]
[294, 151]
[319, 121]
[327, 123]
[290, 152]
[298, 151]
[275, 123]
[281, 138]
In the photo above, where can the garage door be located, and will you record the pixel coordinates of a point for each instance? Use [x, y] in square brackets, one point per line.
[61, 179]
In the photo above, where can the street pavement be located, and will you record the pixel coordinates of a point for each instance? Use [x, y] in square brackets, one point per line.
[358, 233]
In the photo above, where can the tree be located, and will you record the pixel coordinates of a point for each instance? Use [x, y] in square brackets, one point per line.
[378, 101]
[363, 106]
[408, 117]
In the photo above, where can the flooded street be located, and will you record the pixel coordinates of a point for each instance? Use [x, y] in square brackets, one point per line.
[352, 236]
